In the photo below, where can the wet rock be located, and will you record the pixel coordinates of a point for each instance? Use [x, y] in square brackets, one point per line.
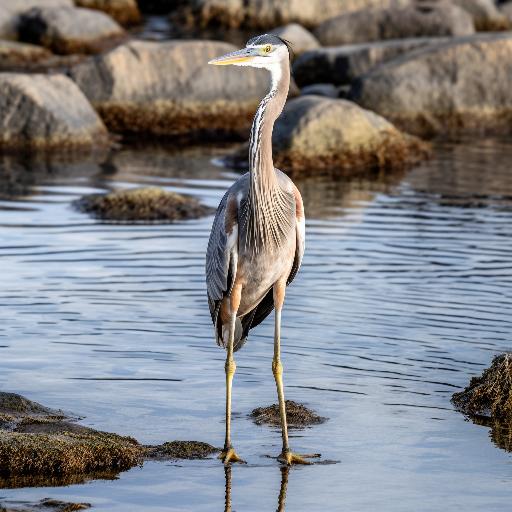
[326, 90]
[300, 39]
[490, 394]
[429, 19]
[35, 440]
[180, 450]
[455, 87]
[264, 14]
[20, 55]
[68, 30]
[297, 415]
[341, 64]
[11, 9]
[168, 88]
[125, 12]
[485, 14]
[146, 204]
[46, 113]
[316, 135]
[47, 505]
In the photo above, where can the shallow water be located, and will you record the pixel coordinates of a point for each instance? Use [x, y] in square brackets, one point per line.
[405, 292]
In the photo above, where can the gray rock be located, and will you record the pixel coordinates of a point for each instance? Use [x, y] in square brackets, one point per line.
[264, 14]
[125, 12]
[506, 10]
[326, 90]
[456, 87]
[427, 19]
[485, 14]
[300, 39]
[169, 89]
[46, 113]
[341, 64]
[67, 30]
[321, 135]
[11, 9]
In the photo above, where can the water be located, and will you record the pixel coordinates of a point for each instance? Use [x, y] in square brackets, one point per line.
[405, 292]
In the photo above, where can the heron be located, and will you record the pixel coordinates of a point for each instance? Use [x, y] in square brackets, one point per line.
[257, 239]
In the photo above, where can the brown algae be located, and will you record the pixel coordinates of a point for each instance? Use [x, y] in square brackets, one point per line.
[297, 415]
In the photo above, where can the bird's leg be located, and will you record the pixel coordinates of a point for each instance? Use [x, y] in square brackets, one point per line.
[228, 454]
[277, 369]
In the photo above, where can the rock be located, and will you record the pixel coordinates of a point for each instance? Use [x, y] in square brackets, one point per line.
[35, 440]
[146, 204]
[125, 12]
[300, 39]
[485, 14]
[46, 113]
[430, 19]
[21, 55]
[265, 14]
[316, 135]
[167, 88]
[297, 415]
[326, 90]
[341, 64]
[180, 450]
[11, 9]
[47, 505]
[68, 30]
[490, 394]
[456, 87]
[506, 10]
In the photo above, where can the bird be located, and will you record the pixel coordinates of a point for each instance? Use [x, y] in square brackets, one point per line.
[257, 238]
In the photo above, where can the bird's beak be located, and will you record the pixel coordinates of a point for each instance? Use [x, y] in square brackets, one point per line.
[236, 58]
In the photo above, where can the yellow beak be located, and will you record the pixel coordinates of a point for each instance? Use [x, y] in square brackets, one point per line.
[238, 57]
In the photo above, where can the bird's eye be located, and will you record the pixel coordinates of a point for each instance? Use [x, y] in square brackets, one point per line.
[267, 48]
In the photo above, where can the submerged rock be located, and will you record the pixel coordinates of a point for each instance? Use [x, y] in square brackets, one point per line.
[35, 440]
[300, 39]
[47, 505]
[180, 450]
[316, 135]
[297, 415]
[485, 14]
[167, 88]
[264, 14]
[490, 394]
[67, 30]
[125, 12]
[430, 19]
[341, 64]
[455, 87]
[46, 113]
[145, 204]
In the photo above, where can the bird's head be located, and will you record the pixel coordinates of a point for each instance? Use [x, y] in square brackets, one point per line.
[266, 51]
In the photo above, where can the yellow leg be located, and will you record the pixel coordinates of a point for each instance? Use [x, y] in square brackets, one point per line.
[286, 456]
[228, 454]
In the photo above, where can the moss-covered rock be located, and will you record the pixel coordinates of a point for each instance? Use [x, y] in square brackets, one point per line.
[146, 204]
[297, 415]
[46, 505]
[125, 12]
[180, 450]
[15, 55]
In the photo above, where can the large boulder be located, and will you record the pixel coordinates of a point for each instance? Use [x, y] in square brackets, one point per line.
[322, 135]
[341, 64]
[485, 14]
[67, 30]
[300, 39]
[169, 89]
[430, 19]
[125, 12]
[21, 55]
[11, 9]
[264, 14]
[459, 86]
[46, 112]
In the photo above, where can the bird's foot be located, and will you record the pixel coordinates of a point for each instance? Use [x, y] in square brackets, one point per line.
[287, 457]
[229, 455]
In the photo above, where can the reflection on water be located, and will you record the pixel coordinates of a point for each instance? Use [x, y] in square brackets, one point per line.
[405, 292]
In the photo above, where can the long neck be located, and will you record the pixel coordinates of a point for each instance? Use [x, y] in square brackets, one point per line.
[268, 206]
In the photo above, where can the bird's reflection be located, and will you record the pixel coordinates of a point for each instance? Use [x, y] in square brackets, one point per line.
[281, 500]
